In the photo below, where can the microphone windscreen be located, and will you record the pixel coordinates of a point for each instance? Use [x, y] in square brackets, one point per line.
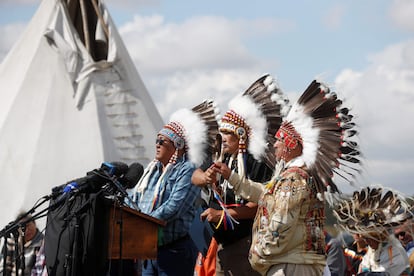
[133, 175]
[115, 168]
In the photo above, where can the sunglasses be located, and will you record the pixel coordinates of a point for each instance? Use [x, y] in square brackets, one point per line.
[160, 142]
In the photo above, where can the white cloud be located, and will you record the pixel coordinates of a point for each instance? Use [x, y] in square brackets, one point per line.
[202, 57]
[382, 96]
[205, 42]
[186, 89]
[402, 13]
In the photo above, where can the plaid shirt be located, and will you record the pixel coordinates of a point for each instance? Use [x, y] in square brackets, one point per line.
[30, 250]
[176, 206]
[39, 268]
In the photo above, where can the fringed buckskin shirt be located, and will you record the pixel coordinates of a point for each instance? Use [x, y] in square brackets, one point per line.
[288, 227]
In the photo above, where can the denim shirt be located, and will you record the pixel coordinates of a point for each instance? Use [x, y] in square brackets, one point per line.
[177, 204]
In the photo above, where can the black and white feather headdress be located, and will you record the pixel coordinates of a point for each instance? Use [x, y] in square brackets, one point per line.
[327, 133]
[200, 128]
[209, 114]
[255, 116]
[373, 210]
[190, 129]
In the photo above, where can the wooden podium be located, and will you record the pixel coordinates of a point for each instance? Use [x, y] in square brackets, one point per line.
[139, 234]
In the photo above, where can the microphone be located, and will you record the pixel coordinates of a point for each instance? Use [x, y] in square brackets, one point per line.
[94, 180]
[128, 181]
[68, 190]
[132, 176]
[114, 168]
[116, 173]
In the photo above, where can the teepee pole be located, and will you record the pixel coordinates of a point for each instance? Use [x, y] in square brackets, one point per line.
[101, 19]
[85, 25]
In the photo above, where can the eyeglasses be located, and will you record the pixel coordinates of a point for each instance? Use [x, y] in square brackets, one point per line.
[160, 142]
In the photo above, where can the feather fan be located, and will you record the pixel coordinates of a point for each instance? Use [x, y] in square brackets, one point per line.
[372, 210]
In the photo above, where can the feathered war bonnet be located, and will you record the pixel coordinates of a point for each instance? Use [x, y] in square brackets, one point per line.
[192, 130]
[373, 210]
[254, 117]
[189, 130]
[323, 127]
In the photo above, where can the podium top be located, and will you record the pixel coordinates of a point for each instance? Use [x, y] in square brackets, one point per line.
[142, 215]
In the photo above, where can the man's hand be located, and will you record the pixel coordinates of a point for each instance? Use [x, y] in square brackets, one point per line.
[210, 175]
[201, 179]
[212, 215]
[222, 169]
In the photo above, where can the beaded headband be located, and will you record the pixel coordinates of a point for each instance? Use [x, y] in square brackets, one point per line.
[233, 122]
[288, 134]
[175, 132]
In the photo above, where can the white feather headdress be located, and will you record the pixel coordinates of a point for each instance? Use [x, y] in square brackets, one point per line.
[255, 116]
[199, 127]
[327, 135]
[191, 130]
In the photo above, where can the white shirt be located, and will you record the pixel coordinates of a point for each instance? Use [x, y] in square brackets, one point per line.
[389, 256]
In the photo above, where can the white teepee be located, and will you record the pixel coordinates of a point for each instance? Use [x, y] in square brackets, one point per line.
[71, 99]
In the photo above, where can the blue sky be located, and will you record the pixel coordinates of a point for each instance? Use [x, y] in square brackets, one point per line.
[186, 51]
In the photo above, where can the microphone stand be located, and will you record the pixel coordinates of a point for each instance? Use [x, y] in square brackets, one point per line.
[14, 225]
[17, 251]
[12, 228]
[72, 258]
[76, 214]
[74, 255]
[122, 191]
[4, 255]
[20, 251]
[121, 223]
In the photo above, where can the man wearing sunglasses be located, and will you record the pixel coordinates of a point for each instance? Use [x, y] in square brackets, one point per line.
[166, 193]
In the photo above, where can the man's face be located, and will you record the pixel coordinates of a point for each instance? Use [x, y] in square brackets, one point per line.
[164, 149]
[404, 237]
[30, 231]
[230, 142]
[279, 147]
